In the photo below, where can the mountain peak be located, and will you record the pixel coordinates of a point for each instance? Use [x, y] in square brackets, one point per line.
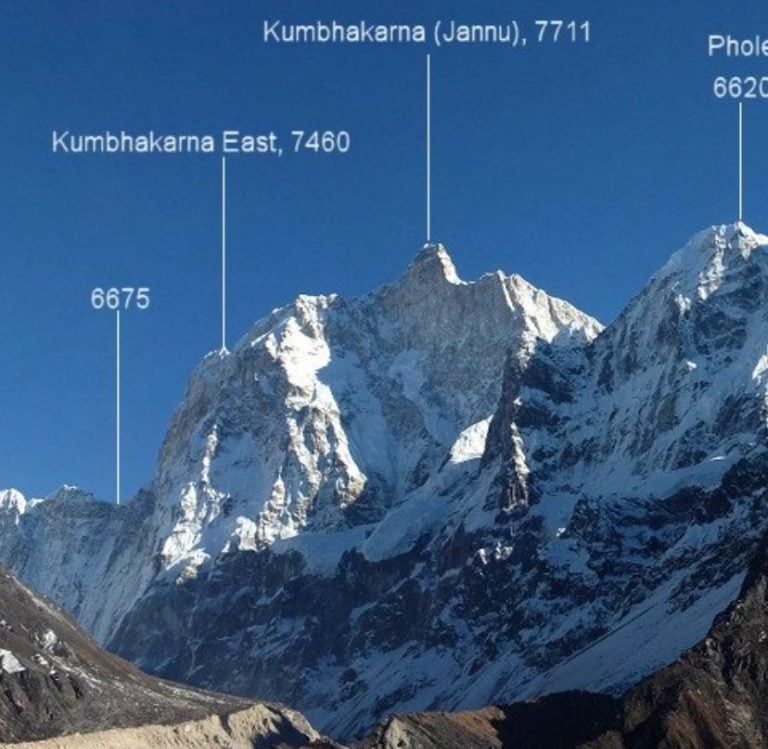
[712, 251]
[13, 504]
[433, 263]
[68, 493]
[736, 233]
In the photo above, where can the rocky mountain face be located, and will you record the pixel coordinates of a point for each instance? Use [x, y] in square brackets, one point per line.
[440, 495]
[56, 681]
[714, 697]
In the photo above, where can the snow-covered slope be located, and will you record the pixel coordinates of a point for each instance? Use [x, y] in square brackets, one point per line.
[439, 495]
[91, 557]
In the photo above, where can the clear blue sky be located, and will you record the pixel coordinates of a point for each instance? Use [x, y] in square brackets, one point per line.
[581, 169]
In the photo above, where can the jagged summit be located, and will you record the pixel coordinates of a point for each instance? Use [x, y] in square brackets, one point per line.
[429, 297]
[69, 493]
[710, 253]
[433, 263]
[13, 504]
[433, 266]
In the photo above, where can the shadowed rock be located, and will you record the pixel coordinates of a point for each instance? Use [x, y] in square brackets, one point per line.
[714, 697]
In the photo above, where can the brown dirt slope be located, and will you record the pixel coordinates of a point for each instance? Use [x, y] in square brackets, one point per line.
[55, 680]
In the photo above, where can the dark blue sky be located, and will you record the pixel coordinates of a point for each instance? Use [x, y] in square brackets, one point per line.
[580, 168]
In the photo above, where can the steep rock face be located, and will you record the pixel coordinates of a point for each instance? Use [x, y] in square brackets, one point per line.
[93, 558]
[322, 418]
[649, 459]
[677, 382]
[714, 697]
[330, 411]
[371, 416]
[442, 494]
[55, 680]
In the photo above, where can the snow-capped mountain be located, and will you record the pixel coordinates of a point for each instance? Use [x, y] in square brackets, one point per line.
[439, 495]
[328, 413]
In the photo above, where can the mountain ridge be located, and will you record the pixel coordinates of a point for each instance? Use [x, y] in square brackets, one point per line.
[369, 501]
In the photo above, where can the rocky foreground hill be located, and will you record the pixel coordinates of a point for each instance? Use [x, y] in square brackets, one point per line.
[440, 495]
[58, 689]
